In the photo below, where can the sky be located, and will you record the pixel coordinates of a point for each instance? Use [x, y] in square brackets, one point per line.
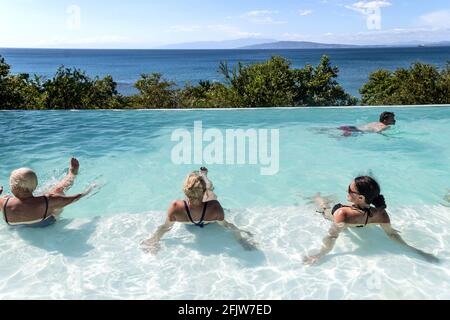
[152, 23]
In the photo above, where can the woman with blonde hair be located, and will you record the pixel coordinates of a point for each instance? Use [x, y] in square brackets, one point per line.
[200, 208]
[26, 209]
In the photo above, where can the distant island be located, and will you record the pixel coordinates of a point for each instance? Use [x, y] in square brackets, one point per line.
[297, 45]
[271, 44]
[227, 44]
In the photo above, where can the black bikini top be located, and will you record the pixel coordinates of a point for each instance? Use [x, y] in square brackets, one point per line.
[201, 223]
[367, 211]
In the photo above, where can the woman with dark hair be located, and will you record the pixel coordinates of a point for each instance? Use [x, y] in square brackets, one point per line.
[368, 208]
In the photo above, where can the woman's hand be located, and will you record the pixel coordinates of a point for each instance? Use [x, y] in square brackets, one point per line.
[151, 246]
[249, 244]
[90, 190]
[310, 260]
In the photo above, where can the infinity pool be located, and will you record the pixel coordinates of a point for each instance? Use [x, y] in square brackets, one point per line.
[94, 253]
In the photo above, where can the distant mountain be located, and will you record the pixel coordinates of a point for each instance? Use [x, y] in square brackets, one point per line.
[227, 44]
[270, 44]
[297, 45]
[439, 44]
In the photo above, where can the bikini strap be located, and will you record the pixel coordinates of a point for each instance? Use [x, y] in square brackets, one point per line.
[202, 221]
[368, 215]
[188, 211]
[4, 210]
[46, 208]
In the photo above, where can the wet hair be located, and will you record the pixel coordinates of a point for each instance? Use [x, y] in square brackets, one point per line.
[194, 187]
[386, 115]
[23, 180]
[370, 189]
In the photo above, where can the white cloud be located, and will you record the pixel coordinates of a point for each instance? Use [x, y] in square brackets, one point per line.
[261, 17]
[305, 12]
[366, 7]
[436, 20]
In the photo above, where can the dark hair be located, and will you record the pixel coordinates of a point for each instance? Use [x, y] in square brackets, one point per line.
[386, 115]
[370, 189]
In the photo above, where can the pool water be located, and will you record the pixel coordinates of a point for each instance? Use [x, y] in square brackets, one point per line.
[94, 253]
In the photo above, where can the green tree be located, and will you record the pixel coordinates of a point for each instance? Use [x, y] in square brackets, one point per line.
[5, 94]
[444, 86]
[155, 92]
[68, 89]
[275, 83]
[73, 89]
[318, 86]
[103, 93]
[419, 84]
[196, 96]
[263, 84]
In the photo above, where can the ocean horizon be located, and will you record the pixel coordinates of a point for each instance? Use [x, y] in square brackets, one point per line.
[193, 65]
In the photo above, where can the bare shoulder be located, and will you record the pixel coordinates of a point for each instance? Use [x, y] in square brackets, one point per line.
[214, 204]
[175, 209]
[384, 216]
[340, 216]
[216, 209]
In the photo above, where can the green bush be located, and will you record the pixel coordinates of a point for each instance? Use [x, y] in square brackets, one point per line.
[272, 83]
[420, 84]
[155, 92]
[73, 89]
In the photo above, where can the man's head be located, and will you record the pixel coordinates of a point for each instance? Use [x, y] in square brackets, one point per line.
[388, 118]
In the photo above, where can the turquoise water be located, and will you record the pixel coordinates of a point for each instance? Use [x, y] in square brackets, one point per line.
[94, 251]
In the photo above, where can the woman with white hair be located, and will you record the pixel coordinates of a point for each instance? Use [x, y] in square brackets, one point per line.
[25, 209]
[199, 209]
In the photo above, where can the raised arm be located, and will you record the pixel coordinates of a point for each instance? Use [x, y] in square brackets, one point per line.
[152, 244]
[394, 235]
[58, 201]
[69, 179]
[209, 194]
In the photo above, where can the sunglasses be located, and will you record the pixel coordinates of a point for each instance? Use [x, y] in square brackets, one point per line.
[352, 192]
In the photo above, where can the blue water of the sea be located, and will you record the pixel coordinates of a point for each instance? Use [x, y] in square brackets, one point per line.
[182, 66]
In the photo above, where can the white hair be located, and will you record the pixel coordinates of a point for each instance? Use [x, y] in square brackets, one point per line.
[23, 180]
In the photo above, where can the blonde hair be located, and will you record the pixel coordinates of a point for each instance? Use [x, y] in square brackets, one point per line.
[23, 180]
[194, 187]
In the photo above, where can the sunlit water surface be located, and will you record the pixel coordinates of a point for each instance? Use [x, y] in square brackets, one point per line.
[94, 253]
